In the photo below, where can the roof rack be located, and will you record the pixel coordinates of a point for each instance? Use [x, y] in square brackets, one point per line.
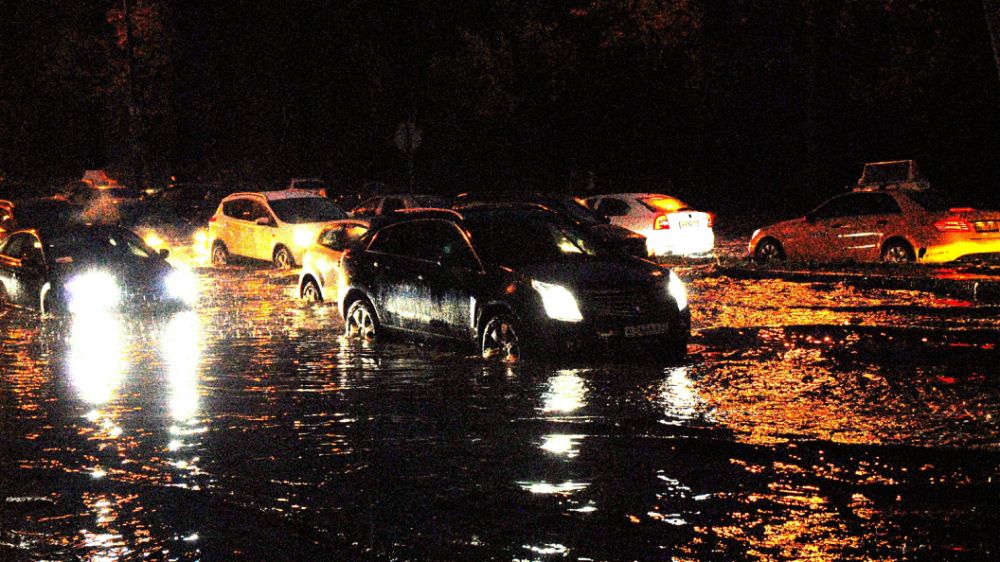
[891, 175]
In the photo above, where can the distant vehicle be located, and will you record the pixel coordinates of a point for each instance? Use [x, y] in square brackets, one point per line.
[902, 174]
[321, 260]
[893, 224]
[193, 203]
[669, 225]
[387, 204]
[515, 282]
[97, 184]
[87, 268]
[274, 226]
[35, 212]
[314, 185]
[572, 209]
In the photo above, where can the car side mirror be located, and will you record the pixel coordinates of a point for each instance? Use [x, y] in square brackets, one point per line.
[163, 253]
[264, 221]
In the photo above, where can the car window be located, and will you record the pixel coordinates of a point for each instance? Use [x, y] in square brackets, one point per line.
[527, 240]
[14, 245]
[256, 210]
[937, 201]
[393, 239]
[366, 207]
[877, 204]
[443, 242]
[840, 206]
[298, 210]
[235, 208]
[612, 207]
[341, 236]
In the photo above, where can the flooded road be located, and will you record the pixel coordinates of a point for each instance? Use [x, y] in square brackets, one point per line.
[810, 421]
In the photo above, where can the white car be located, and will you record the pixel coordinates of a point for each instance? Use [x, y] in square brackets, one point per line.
[274, 226]
[669, 225]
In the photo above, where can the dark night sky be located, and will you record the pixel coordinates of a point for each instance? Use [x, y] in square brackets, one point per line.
[726, 104]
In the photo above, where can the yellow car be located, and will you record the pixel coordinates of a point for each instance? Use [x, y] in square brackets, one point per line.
[895, 224]
[321, 261]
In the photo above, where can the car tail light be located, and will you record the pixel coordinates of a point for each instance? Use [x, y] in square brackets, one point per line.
[711, 219]
[961, 210]
[953, 225]
[661, 222]
[212, 219]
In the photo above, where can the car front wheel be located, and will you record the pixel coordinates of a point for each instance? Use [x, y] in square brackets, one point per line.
[220, 255]
[769, 250]
[361, 322]
[311, 292]
[501, 339]
[283, 258]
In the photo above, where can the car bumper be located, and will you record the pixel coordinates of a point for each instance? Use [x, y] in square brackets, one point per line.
[642, 337]
[951, 249]
[696, 242]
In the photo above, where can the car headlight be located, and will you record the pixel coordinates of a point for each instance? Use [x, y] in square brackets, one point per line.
[559, 302]
[304, 237]
[182, 285]
[93, 291]
[675, 287]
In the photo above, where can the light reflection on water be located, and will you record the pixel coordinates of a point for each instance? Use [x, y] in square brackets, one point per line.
[806, 425]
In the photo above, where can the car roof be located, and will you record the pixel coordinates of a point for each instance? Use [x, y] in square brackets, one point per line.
[277, 195]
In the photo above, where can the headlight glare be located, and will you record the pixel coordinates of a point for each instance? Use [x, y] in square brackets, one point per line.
[93, 291]
[182, 285]
[304, 237]
[675, 287]
[559, 302]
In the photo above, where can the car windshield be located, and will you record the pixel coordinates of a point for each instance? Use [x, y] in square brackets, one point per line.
[937, 201]
[297, 210]
[107, 243]
[522, 240]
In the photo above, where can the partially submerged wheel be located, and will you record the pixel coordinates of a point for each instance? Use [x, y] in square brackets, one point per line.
[898, 251]
[501, 339]
[361, 322]
[220, 255]
[283, 258]
[769, 250]
[311, 292]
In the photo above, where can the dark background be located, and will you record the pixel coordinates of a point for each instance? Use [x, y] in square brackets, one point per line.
[732, 105]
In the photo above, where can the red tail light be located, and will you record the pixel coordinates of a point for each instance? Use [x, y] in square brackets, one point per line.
[661, 222]
[961, 210]
[212, 219]
[953, 225]
[711, 219]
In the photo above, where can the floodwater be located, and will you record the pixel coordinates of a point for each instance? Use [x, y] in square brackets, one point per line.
[811, 421]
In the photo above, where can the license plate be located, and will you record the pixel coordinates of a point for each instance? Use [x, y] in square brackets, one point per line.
[687, 224]
[987, 226]
[646, 330]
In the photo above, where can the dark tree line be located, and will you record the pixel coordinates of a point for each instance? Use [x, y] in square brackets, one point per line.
[725, 103]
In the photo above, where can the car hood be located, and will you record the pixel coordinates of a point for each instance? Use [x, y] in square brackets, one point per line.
[597, 274]
[132, 273]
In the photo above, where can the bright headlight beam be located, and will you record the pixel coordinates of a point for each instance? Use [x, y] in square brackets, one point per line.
[182, 285]
[677, 291]
[93, 291]
[559, 302]
[304, 237]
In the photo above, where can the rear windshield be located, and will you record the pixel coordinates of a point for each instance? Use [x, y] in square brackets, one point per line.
[306, 209]
[938, 201]
[663, 204]
[519, 242]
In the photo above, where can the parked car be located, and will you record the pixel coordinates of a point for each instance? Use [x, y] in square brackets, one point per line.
[97, 184]
[274, 226]
[34, 212]
[613, 236]
[899, 223]
[321, 260]
[670, 226]
[83, 268]
[514, 282]
[387, 204]
[193, 203]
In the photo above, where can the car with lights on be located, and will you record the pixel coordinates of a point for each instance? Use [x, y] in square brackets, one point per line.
[513, 282]
[571, 209]
[274, 226]
[84, 268]
[670, 226]
[896, 223]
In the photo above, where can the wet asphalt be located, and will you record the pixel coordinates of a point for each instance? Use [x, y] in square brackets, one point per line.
[813, 419]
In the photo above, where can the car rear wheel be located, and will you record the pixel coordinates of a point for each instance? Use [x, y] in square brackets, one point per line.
[311, 292]
[769, 250]
[361, 322]
[501, 339]
[283, 258]
[220, 255]
[898, 251]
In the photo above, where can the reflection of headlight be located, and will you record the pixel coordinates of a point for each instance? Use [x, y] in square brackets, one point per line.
[304, 237]
[182, 285]
[559, 303]
[677, 291]
[93, 291]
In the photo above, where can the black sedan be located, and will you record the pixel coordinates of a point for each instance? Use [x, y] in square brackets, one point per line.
[516, 282]
[88, 268]
[570, 209]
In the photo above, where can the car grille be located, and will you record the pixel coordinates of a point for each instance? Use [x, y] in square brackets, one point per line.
[625, 303]
[986, 226]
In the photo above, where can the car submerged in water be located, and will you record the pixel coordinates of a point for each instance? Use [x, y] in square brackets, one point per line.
[89, 268]
[514, 282]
